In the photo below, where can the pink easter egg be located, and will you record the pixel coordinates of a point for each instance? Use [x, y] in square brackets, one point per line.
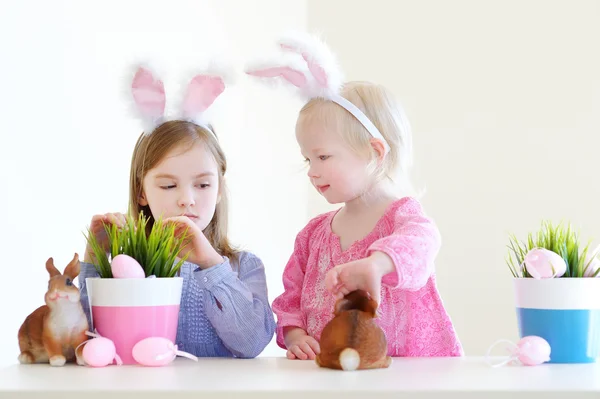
[124, 266]
[154, 351]
[543, 263]
[533, 350]
[99, 352]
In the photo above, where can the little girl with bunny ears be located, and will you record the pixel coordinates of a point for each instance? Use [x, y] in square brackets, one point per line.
[178, 173]
[357, 143]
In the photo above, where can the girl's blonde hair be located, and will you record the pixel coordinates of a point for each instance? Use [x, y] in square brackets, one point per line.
[149, 152]
[379, 105]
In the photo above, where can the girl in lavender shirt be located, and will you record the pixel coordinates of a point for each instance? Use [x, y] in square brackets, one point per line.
[177, 171]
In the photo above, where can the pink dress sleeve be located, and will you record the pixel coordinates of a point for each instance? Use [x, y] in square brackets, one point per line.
[413, 246]
[287, 306]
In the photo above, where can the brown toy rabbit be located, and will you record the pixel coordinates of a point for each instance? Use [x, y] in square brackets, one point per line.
[352, 340]
[53, 331]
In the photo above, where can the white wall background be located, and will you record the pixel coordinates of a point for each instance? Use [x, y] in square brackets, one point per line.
[503, 96]
[67, 137]
[504, 99]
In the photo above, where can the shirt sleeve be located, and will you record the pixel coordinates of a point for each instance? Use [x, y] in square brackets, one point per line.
[237, 305]
[412, 246]
[287, 306]
[86, 270]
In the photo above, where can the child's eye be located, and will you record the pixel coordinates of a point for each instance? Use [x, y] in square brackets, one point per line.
[167, 187]
[324, 157]
[306, 160]
[203, 185]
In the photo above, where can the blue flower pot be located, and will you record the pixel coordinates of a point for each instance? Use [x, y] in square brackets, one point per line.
[563, 311]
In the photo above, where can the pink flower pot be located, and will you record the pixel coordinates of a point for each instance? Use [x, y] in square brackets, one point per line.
[127, 310]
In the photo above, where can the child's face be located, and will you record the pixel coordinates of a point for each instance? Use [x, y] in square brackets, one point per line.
[335, 170]
[184, 183]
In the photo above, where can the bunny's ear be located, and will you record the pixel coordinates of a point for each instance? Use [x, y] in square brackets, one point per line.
[52, 271]
[201, 93]
[320, 60]
[315, 69]
[73, 268]
[291, 68]
[341, 305]
[148, 95]
[295, 77]
[358, 300]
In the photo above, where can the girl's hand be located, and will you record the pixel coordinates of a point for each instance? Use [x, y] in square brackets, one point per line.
[98, 231]
[300, 345]
[363, 274]
[200, 251]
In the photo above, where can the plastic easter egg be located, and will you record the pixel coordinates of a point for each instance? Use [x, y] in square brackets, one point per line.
[157, 351]
[592, 263]
[592, 268]
[100, 352]
[529, 351]
[542, 263]
[533, 350]
[124, 266]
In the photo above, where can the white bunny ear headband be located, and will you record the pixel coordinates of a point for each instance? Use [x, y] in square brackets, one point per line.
[150, 101]
[316, 75]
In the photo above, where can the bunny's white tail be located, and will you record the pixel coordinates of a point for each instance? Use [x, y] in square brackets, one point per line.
[349, 359]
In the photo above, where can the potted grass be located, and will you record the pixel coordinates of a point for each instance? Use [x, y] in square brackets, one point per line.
[138, 293]
[557, 293]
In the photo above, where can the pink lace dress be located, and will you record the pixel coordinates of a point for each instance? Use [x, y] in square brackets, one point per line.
[411, 312]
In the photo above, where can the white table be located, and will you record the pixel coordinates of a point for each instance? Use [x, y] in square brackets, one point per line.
[286, 379]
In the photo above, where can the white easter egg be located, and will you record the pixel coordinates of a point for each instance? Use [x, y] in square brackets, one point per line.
[592, 263]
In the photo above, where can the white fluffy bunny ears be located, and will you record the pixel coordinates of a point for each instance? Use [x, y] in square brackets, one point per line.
[148, 94]
[311, 66]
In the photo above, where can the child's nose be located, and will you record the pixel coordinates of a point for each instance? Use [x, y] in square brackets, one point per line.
[312, 172]
[186, 199]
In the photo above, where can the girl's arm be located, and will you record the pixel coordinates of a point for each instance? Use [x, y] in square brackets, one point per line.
[87, 270]
[287, 305]
[412, 247]
[237, 305]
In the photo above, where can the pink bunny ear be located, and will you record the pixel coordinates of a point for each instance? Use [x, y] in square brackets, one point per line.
[293, 76]
[319, 59]
[201, 92]
[315, 69]
[148, 94]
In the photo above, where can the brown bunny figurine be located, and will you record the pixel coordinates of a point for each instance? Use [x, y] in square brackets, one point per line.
[53, 331]
[352, 340]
